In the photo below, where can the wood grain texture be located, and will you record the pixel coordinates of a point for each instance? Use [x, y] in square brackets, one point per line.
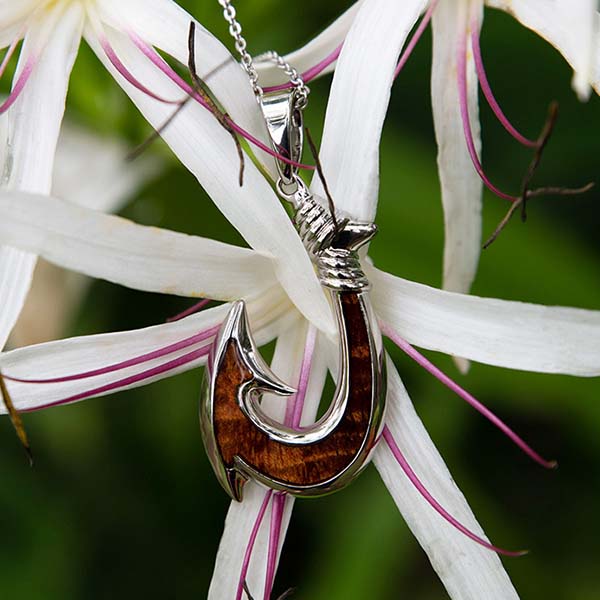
[299, 465]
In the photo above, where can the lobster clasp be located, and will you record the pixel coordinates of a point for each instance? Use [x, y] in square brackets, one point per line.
[285, 125]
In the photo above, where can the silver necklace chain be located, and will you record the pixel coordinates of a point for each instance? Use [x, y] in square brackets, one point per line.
[247, 62]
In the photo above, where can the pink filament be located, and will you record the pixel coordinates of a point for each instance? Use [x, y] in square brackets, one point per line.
[296, 405]
[461, 75]
[415, 38]
[159, 62]
[9, 53]
[250, 546]
[190, 311]
[277, 507]
[292, 418]
[311, 73]
[400, 458]
[19, 85]
[124, 71]
[487, 90]
[115, 385]
[462, 393]
[190, 341]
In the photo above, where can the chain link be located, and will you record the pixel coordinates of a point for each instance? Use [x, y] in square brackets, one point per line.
[302, 90]
[235, 30]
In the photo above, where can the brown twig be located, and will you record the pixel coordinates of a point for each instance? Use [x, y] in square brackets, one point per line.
[321, 175]
[542, 141]
[201, 89]
[526, 193]
[15, 418]
[156, 133]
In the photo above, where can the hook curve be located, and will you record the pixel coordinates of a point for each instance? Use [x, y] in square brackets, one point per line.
[242, 442]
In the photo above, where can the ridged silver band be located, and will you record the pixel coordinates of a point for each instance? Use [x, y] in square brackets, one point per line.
[338, 268]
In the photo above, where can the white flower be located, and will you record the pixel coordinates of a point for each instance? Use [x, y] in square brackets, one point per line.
[285, 300]
[571, 26]
[89, 170]
[51, 31]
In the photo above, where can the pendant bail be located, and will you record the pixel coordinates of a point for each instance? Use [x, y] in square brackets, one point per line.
[285, 125]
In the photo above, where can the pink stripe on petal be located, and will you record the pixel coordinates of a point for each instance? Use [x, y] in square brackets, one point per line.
[415, 38]
[9, 53]
[131, 362]
[462, 393]
[461, 76]
[20, 84]
[124, 71]
[487, 90]
[250, 547]
[277, 507]
[159, 62]
[295, 406]
[115, 385]
[400, 458]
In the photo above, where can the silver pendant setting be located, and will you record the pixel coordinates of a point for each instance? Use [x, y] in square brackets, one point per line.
[244, 443]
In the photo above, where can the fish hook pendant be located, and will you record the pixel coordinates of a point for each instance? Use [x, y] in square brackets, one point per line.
[242, 442]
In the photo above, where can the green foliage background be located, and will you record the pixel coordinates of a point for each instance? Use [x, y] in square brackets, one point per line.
[122, 502]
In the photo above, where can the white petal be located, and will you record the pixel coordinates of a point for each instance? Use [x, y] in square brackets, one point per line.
[517, 335]
[32, 125]
[92, 171]
[165, 25]
[467, 570]
[12, 12]
[16, 272]
[460, 184]
[269, 313]
[241, 516]
[120, 251]
[571, 26]
[358, 102]
[313, 52]
[208, 152]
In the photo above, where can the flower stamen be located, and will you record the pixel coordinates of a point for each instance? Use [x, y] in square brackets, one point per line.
[412, 476]
[250, 546]
[461, 74]
[310, 73]
[131, 362]
[192, 310]
[487, 90]
[277, 507]
[410, 351]
[159, 62]
[20, 84]
[415, 38]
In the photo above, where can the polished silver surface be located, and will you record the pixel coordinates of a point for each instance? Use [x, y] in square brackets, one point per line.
[285, 127]
[332, 242]
[336, 260]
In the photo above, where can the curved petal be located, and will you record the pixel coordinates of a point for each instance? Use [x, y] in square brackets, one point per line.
[269, 313]
[165, 25]
[468, 571]
[313, 52]
[92, 171]
[120, 251]
[358, 102]
[242, 515]
[206, 149]
[571, 26]
[516, 335]
[460, 184]
[32, 129]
